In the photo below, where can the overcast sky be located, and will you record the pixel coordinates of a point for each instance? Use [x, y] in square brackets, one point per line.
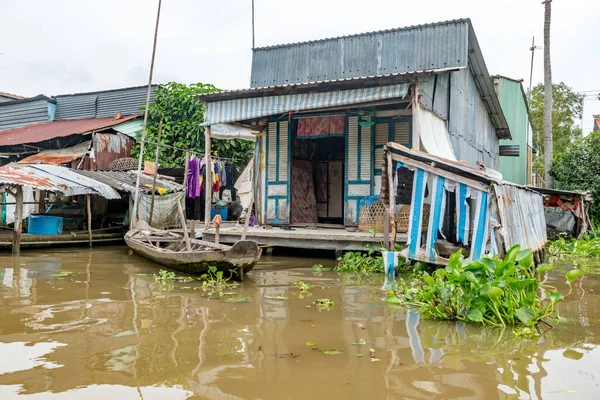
[66, 46]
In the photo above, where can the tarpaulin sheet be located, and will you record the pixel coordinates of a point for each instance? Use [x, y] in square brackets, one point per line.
[165, 210]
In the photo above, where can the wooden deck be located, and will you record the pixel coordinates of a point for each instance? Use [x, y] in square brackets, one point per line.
[301, 238]
[32, 241]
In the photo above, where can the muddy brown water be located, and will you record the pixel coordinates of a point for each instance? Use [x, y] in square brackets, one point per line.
[76, 324]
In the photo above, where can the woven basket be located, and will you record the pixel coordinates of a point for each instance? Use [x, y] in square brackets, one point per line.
[372, 216]
[404, 215]
[123, 164]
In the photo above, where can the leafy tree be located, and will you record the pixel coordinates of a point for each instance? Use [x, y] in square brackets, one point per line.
[576, 168]
[567, 108]
[181, 113]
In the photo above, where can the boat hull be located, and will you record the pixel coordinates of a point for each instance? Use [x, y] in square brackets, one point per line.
[238, 259]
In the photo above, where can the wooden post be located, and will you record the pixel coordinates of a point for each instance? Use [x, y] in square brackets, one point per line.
[184, 225]
[392, 210]
[18, 227]
[185, 176]
[89, 217]
[416, 122]
[192, 227]
[130, 207]
[155, 171]
[217, 232]
[208, 178]
[247, 221]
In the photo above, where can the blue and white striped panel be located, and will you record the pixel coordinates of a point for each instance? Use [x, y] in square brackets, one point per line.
[242, 109]
[463, 192]
[480, 227]
[390, 262]
[416, 212]
[436, 215]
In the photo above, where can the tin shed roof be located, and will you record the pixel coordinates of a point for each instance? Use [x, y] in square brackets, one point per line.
[124, 181]
[55, 129]
[55, 179]
[60, 156]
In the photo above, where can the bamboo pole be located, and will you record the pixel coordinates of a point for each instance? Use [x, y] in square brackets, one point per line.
[252, 194]
[184, 226]
[18, 227]
[139, 170]
[89, 217]
[155, 171]
[416, 133]
[208, 178]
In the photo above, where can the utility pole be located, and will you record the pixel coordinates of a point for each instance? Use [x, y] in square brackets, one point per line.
[533, 48]
[548, 150]
[252, 24]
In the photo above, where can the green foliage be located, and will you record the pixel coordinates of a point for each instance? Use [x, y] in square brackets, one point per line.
[566, 109]
[576, 168]
[303, 286]
[215, 283]
[324, 304]
[164, 277]
[586, 247]
[181, 113]
[356, 261]
[490, 291]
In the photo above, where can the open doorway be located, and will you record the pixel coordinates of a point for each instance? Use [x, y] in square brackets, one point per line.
[317, 170]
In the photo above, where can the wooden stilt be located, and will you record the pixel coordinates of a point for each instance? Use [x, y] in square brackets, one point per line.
[247, 221]
[18, 227]
[192, 228]
[207, 179]
[217, 232]
[88, 200]
[184, 225]
[185, 177]
[155, 171]
[392, 209]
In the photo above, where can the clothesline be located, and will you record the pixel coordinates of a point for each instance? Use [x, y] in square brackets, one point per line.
[192, 151]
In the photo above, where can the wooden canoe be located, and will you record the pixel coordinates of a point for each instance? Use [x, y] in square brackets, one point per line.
[171, 250]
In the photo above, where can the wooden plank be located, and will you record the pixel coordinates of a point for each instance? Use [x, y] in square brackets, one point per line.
[89, 217]
[184, 225]
[441, 172]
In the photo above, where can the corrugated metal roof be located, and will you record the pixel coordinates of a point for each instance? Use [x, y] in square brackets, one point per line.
[130, 128]
[295, 88]
[106, 103]
[60, 156]
[407, 49]
[18, 113]
[50, 130]
[54, 178]
[125, 181]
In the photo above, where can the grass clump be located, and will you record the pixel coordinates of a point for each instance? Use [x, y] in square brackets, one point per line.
[491, 291]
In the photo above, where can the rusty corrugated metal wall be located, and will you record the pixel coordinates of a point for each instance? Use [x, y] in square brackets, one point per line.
[107, 148]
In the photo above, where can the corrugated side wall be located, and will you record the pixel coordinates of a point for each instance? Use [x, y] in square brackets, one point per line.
[514, 169]
[23, 114]
[102, 104]
[426, 47]
[472, 133]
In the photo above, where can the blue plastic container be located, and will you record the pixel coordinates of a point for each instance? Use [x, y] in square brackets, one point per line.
[44, 225]
[223, 212]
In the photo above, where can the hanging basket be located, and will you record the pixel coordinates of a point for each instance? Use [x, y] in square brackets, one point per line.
[403, 217]
[372, 216]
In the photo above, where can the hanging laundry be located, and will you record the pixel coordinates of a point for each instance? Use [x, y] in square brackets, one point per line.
[193, 179]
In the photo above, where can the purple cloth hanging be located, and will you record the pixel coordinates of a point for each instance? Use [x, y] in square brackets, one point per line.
[193, 179]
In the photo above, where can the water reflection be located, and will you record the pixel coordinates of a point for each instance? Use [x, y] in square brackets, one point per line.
[77, 324]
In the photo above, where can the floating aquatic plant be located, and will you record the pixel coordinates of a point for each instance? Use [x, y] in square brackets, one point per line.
[490, 291]
[215, 284]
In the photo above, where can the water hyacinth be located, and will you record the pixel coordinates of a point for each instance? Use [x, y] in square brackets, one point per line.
[492, 291]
